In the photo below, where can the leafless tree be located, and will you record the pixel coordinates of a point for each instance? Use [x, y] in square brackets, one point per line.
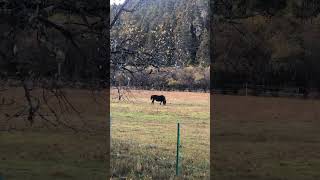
[128, 55]
[50, 45]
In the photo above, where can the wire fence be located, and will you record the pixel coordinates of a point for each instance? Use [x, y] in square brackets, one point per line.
[265, 90]
[245, 90]
[170, 159]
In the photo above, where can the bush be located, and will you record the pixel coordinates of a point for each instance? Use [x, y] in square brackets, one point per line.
[188, 78]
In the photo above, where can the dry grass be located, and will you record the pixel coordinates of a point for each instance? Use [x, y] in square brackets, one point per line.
[265, 138]
[254, 138]
[38, 152]
[144, 135]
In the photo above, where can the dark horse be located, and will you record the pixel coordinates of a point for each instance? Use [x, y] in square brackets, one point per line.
[160, 98]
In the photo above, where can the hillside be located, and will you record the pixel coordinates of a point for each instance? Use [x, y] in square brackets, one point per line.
[269, 43]
[174, 31]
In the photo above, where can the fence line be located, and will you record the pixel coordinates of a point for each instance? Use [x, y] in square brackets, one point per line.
[264, 90]
[247, 90]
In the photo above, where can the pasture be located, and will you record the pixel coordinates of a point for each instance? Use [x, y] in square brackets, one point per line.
[265, 138]
[253, 138]
[144, 135]
[51, 153]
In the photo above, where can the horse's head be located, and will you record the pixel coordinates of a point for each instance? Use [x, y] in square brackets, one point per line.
[164, 102]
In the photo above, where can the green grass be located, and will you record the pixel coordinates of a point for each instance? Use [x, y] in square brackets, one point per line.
[144, 137]
[143, 144]
[48, 155]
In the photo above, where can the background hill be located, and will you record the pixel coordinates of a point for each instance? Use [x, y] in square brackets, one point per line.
[274, 44]
[171, 37]
[175, 31]
[268, 44]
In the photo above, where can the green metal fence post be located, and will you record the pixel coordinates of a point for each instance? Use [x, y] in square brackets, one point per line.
[178, 147]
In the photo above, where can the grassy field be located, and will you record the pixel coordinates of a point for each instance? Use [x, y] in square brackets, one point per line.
[253, 138]
[144, 135]
[265, 138]
[40, 152]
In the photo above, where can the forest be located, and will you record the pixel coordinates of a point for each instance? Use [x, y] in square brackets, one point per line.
[165, 44]
[50, 40]
[265, 45]
[170, 37]
[270, 45]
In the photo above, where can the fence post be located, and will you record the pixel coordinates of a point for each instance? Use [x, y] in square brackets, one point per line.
[110, 125]
[246, 89]
[178, 147]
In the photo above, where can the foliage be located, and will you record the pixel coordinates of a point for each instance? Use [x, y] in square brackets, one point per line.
[187, 78]
[167, 35]
[171, 32]
[37, 35]
[266, 43]
[45, 45]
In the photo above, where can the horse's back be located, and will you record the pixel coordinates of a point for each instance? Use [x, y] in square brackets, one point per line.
[158, 97]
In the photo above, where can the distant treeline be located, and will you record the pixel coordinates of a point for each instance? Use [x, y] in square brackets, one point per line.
[267, 44]
[175, 32]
